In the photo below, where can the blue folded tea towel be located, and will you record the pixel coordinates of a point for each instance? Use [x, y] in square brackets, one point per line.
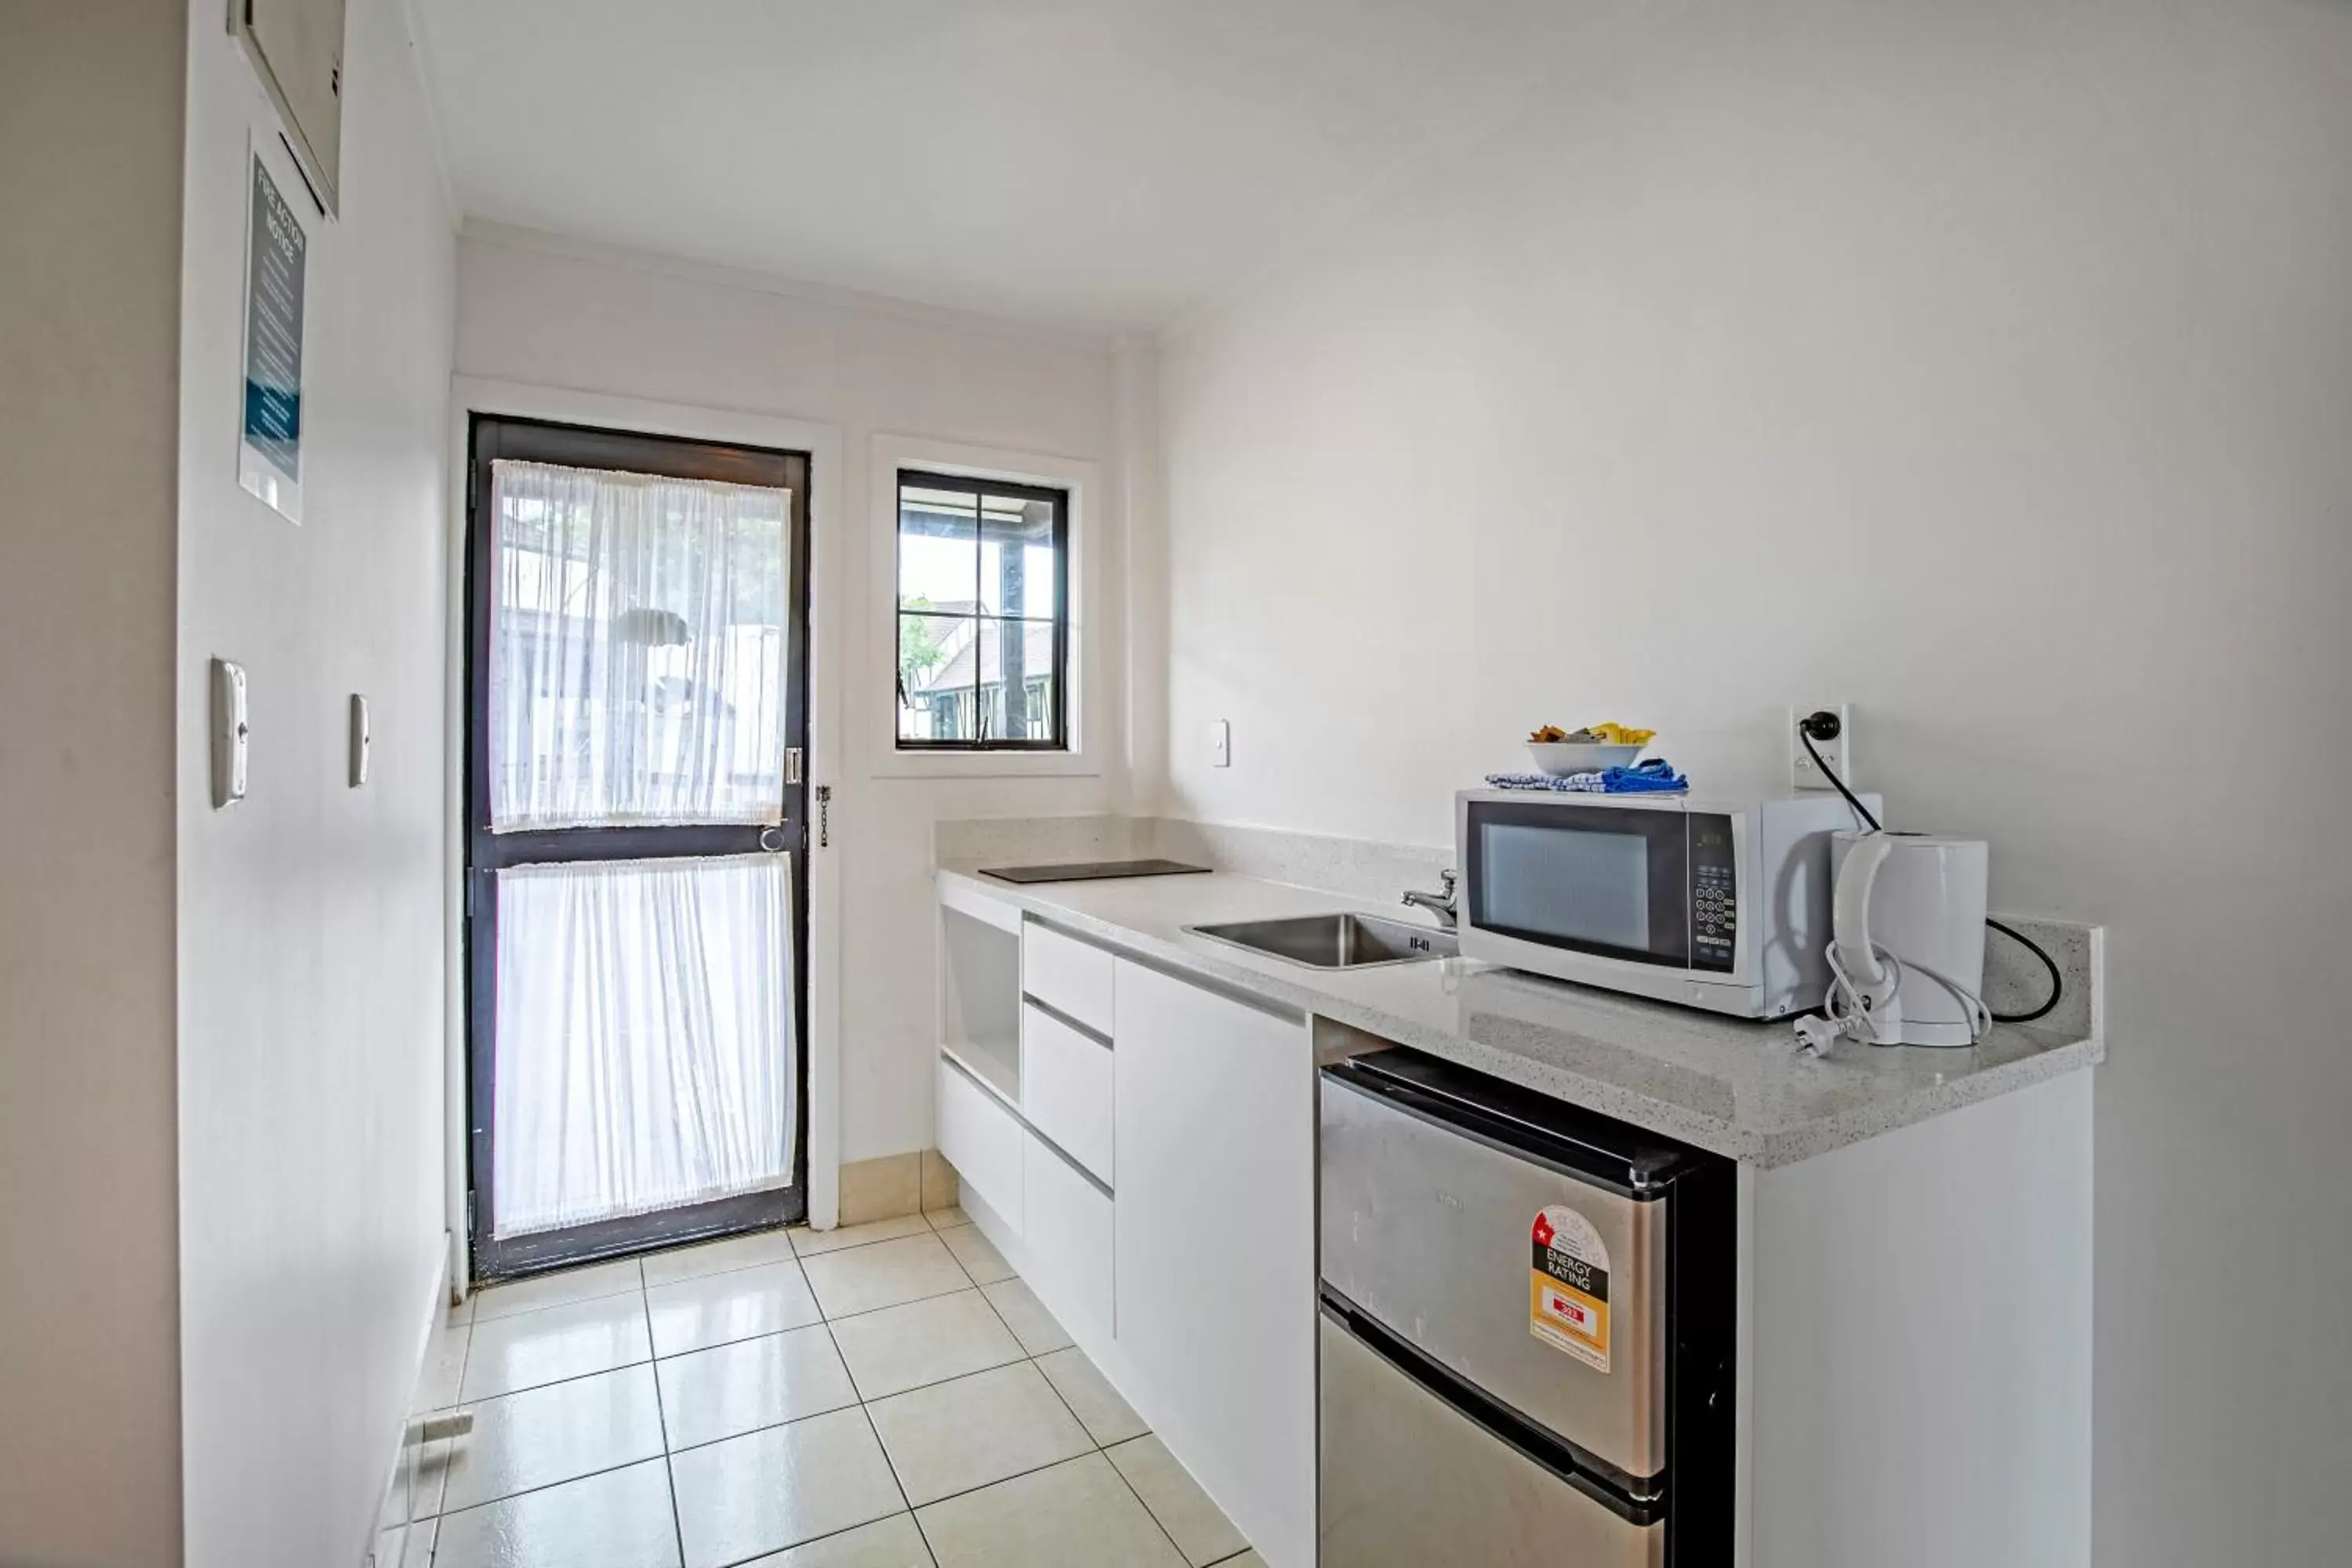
[1652, 776]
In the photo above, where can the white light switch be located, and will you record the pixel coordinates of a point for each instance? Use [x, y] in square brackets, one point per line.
[359, 740]
[1221, 744]
[230, 732]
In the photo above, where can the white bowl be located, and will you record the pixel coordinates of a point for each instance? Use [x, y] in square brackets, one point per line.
[1561, 758]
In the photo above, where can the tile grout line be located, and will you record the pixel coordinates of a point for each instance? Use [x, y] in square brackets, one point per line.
[661, 1415]
[1096, 1446]
[550, 1486]
[555, 1306]
[1065, 1398]
[793, 1256]
[583, 1377]
[1104, 1449]
[895, 1479]
[999, 1481]
[1144, 1503]
[969, 1283]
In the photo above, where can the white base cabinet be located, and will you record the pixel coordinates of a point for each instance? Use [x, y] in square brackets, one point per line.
[1214, 1125]
[1152, 1172]
[1066, 1225]
[1142, 1149]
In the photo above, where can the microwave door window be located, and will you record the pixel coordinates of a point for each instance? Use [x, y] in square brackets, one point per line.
[1591, 888]
[1613, 882]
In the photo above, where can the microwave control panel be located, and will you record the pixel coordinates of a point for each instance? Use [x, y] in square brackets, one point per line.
[1714, 893]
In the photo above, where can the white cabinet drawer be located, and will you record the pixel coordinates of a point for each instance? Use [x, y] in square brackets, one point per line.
[1065, 1089]
[1066, 1227]
[1068, 975]
[983, 1141]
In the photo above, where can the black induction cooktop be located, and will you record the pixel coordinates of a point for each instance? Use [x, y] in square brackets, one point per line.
[1092, 870]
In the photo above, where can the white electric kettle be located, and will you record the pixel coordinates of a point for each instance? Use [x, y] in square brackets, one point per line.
[1908, 943]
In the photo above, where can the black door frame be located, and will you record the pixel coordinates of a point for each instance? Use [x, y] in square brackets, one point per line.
[490, 437]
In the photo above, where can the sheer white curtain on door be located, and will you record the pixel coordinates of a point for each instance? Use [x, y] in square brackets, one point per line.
[645, 1036]
[637, 649]
[645, 1054]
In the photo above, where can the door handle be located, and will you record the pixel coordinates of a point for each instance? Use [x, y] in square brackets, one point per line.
[772, 839]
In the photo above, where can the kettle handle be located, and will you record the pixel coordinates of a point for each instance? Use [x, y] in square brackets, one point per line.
[1850, 910]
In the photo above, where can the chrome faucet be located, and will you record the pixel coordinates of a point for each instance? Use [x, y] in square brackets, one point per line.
[1439, 904]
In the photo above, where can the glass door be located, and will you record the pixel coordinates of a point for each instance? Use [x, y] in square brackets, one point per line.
[635, 924]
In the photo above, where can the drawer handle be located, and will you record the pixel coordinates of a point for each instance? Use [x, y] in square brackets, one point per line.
[1088, 1030]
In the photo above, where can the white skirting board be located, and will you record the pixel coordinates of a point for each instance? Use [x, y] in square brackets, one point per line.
[433, 1334]
[1914, 1344]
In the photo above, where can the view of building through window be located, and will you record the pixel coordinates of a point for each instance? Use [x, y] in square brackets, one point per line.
[983, 644]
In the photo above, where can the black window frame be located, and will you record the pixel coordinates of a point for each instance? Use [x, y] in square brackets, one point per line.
[1057, 741]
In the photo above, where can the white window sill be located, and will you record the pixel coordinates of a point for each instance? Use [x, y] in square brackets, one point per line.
[897, 764]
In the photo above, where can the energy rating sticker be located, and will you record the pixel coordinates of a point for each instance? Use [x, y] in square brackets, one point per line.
[1569, 1287]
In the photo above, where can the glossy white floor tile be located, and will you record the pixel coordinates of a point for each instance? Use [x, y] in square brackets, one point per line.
[962, 1434]
[528, 1349]
[1197, 1525]
[977, 1254]
[1108, 1418]
[720, 1309]
[930, 1341]
[893, 1542]
[864, 1278]
[521, 1442]
[1076, 1514]
[1026, 1316]
[778, 1487]
[622, 1519]
[712, 1415]
[809, 1242]
[565, 1286]
[739, 1388]
[719, 1257]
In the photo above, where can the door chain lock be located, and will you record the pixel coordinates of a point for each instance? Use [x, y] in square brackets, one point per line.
[824, 816]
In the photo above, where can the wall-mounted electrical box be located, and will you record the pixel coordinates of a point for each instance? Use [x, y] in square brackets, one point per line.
[232, 732]
[297, 49]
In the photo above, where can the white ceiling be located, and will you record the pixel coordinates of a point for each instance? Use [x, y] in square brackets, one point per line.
[1096, 163]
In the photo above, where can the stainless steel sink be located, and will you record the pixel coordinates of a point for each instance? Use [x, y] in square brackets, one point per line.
[1334, 942]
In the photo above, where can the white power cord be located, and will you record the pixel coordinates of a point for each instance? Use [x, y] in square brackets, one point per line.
[1847, 1011]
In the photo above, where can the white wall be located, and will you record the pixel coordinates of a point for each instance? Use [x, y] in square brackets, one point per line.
[311, 934]
[1988, 366]
[90, 99]
[547, 314]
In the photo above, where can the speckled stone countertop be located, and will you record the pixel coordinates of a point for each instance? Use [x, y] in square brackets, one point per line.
[1739, 1089]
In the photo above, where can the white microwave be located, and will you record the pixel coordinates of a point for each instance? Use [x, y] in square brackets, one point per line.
[1716, 904]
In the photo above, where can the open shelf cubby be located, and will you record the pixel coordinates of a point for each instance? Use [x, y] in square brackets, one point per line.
[979, 1000]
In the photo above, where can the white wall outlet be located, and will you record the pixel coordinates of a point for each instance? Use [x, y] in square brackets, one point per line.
[1221, 744]
[1838, 753]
